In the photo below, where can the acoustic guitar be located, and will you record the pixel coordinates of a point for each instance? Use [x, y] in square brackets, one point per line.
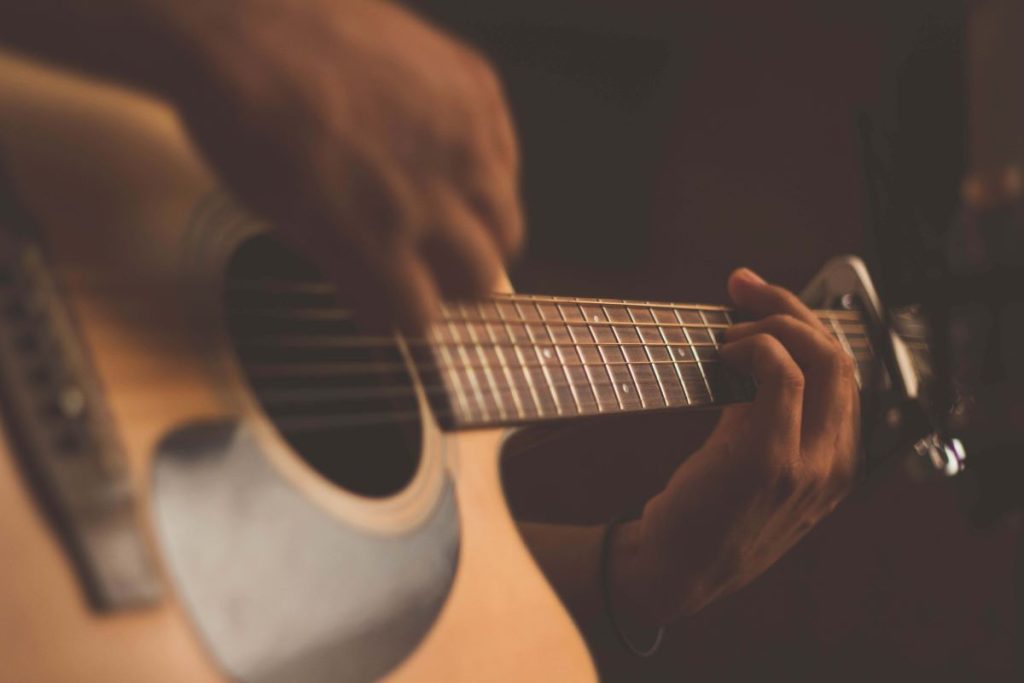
[207, 473]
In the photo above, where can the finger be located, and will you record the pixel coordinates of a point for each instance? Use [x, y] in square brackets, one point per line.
[500, 129]
[366, 239]
[459, 251]
[490, 186]
[385, 288]
[410, 293]
[494, 197]
[775, 415]
[486, 164]
[752, 294]
[827, 368]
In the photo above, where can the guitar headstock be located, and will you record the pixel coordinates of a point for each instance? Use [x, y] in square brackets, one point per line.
[900, 403]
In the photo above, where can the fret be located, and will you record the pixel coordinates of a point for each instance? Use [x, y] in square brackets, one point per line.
[648, 384]
[541, 399]
[716, 318]
[857, 339]
[565, 396]
[691, 320]
[595, 319]
[591, 313]
[681, 352]
[360, 367]
[646, 315]
[580, 381]
[840, 336]
[593, 365]
[690, 375]
[541, 384]
[600, 374]
[623, 384]
[620, 303]
[633, 353]
[592, 310]
[548, 312]
[561, 339]
[673, 350]
[539, 374]
[713, 375]
[698, 330]
[531, 350]
[703, 390]
[568, 354]
[571, 312]
[719, 378]
[648, 335]
[837, 332]
[620, 315]
[604, 335]
[452, 371]
[522, 410]
[499, 392]
[486, 400]
[517, 359]
[559, 335]
[514, 359]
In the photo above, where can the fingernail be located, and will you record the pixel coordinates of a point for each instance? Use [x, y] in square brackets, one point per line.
[750, 276]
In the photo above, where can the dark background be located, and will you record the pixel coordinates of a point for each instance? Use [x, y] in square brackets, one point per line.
[666, 143]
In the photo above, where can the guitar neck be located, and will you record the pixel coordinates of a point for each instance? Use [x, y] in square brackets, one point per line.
[514, 359]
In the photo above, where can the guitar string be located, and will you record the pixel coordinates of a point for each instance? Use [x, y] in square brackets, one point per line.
[314, 342]
[855, 329]
[327, 289]
[322, 369]
[847, 321]
[314, 423]
[275, 397]
[541, 413]
[284, 370]
[307, 423]
[337, 315]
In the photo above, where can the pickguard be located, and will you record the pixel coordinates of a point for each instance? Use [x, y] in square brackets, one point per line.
[280, 589]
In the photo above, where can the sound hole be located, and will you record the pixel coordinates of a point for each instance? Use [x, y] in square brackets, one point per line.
[343, 400]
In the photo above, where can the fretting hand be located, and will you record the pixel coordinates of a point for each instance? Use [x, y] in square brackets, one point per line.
[768, 473]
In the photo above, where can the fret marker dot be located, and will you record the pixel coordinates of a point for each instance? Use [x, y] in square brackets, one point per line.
[625, 388]
[597, 319]
[547, 353]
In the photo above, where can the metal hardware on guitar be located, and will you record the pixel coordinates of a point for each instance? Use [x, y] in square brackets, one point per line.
[53, 409]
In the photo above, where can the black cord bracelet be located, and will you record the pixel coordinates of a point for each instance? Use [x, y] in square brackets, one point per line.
[606, 593]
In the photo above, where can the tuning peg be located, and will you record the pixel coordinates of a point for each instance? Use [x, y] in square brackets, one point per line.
[938, 455]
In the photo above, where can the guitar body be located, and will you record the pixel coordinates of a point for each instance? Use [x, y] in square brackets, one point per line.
[430, 583]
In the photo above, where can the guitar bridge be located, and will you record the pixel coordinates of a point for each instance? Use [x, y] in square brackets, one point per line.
[59, 434]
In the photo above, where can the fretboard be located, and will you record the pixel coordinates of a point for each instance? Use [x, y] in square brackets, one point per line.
[516, 359]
